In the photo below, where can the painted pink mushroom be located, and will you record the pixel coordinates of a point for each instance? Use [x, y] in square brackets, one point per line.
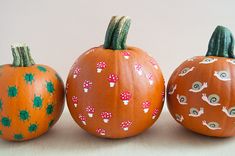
[90, 111]
[125, 125]
[125, 97]
[154, 63]
[126, 54]
[87, 85]
[150, 78]
[100, 131]
[75, 101]
[106, 116]
[82, 118]
[155, 113]
[146, 106]
[100, 66]
[138, 68]
[76, 72]
[112, 80]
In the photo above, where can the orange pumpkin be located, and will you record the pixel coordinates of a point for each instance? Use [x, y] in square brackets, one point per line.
[31, 97]
[115, 91]
[200, 91]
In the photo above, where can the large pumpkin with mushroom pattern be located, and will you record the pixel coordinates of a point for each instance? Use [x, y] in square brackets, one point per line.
[31, 97]
[115, 91]
[200, 91]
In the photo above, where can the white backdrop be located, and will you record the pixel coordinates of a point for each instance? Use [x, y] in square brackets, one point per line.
[59, 31]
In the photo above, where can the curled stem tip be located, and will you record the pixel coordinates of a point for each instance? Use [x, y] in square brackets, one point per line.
[116, 33]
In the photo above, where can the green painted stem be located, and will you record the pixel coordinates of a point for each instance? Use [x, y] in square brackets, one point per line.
[116, 33]
[21, 56]
[221, 43]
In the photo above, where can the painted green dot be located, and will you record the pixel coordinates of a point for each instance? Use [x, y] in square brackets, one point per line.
[51, 123]
[1, 103]
[12, 91]
[0, 132]
[6, 122]
[24, 115]
[33, 128]
[18, 136]
[29, 78]
[42, 69]
[50, 87]
[37, 102]
[50, 109]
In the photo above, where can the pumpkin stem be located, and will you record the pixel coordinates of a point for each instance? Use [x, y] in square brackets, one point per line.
[116, 33]
[221, 43]
[21, 56]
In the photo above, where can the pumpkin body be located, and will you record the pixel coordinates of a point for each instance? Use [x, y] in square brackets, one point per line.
[200, 92]
[115, 93]
[200, 95]
[31, 101]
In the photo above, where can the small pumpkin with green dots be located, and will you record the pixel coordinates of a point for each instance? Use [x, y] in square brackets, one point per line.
[31, 97]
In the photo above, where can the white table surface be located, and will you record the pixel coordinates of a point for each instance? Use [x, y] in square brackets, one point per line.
[166, 137]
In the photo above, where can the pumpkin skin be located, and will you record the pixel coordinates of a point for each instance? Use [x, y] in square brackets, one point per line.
[200, 94]
[31, 101]
[123, 93]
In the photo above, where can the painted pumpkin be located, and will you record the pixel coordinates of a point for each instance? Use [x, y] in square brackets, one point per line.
[201, 90]
[115, 91]
[31, 97]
